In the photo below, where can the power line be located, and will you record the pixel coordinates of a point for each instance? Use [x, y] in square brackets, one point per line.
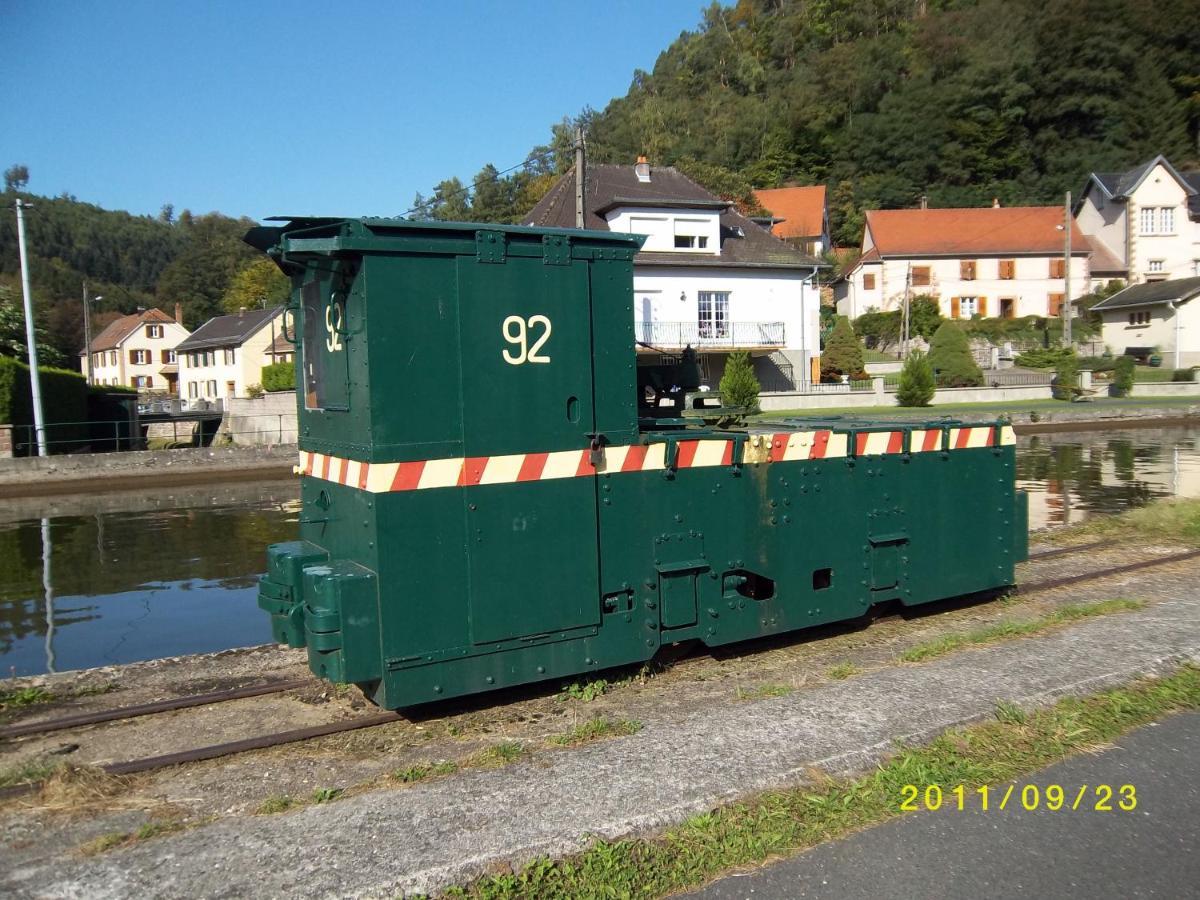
[467, 189]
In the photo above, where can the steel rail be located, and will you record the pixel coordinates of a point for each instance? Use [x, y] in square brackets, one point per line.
[148, 709]
[1065, 551]
[215, 751]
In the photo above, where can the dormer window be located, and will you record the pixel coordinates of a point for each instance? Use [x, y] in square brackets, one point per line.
[642, 170]
[691, 242]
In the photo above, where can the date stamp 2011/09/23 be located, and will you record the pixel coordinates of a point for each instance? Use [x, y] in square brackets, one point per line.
[1030, 797]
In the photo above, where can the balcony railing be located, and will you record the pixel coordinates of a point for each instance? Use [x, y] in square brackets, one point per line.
[727, 334]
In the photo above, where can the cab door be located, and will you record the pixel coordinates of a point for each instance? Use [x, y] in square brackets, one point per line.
[525, 337]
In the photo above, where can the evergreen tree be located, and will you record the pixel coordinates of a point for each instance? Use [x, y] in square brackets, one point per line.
[843, 354]
[951, 359]
[1123, 376]
[739, 387]
[916, 381]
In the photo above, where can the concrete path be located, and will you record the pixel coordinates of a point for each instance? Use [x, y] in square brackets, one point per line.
[1152, 850]
[435, 834]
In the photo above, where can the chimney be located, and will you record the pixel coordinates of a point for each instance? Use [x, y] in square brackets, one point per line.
[995, 203]
[642, 169]
[179, 313]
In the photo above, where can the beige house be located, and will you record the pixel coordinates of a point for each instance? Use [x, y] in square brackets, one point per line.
[1007, 262]
[226, 354]
[136, 351]
[1146, 221]
[1160, 316]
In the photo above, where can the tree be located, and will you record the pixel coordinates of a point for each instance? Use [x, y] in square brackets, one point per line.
[916, 381]
[1066, 378]
[924, 316]
[843, 354]
[13, 340]
[1123, 376]
[15, 178]
[739, 387]
[258, 284]
[951, 359]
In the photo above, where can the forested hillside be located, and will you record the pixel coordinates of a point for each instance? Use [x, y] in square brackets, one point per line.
[888, 100]
[130, 261]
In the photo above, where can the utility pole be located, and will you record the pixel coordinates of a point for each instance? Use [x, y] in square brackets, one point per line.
[580, 176]
[87, 332]
[1066, 307]
[35, 380]
[906, 312]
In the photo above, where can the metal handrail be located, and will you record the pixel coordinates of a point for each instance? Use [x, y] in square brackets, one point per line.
[716, 334]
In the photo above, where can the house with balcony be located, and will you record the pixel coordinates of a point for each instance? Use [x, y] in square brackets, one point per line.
[226, 354]
[995, 261]
[707, 277]
[799, 216]
[1143, 223]
[136, 351]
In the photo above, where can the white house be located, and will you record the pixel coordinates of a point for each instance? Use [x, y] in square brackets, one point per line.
[995, 261]
[1156, 316]
[707, 276]
[799, 215]
[136, 351]
[1147, 220]
[226, 354]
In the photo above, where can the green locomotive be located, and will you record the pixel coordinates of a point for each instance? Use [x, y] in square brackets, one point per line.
[489, 501]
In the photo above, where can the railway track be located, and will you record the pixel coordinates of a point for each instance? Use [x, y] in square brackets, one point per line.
[215, 751]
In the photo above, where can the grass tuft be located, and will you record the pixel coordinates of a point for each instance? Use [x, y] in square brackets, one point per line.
[585, 691]
[496, 755]
[325, 795]
[596, 730]
[276, 804]
[949, 643]
[1164, 520]
[842, 671]
[23, 697]
[784, 822]
[422, 771]
[763, 692]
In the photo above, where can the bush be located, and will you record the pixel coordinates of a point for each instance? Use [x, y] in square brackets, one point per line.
[1183, 375]
[916, 381]
[254, 391]
[1043, 357]
[843, 354]
[738, 385]
[951, 359]
[1066, 378]
[279, 377]
[1122, 382]
[64, 400]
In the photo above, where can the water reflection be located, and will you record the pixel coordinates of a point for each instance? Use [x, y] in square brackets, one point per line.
[1073, 476]
[117, 586]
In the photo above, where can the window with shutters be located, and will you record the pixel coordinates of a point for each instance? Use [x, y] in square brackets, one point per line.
[1056, 268]
[112, 357]
[210, 388]
[154, 331]
[139, 357]
[168, 357]
[966, 269]
[968, 307]
[193, 390]
[1008, 269]
[1054, 304]
[230, 357]
[869, 282]
[920, 276]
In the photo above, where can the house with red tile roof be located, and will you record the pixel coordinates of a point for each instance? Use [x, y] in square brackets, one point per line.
[798, 215]
[1005, 262]
[137, 351]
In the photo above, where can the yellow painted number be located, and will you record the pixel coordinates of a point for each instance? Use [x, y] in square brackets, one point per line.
[517, 331]
[1103, 798]
[1128, 801]
[909, 793]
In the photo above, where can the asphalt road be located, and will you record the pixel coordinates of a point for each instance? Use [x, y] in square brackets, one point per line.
[1151, 851]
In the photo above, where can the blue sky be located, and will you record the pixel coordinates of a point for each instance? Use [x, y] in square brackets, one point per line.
[299, 108]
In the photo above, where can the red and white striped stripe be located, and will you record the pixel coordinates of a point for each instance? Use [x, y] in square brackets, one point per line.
[792, 446]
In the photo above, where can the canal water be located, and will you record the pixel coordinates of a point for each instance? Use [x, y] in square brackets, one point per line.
[105, 579]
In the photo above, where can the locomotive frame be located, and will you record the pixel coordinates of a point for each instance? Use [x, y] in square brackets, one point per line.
[484, 505]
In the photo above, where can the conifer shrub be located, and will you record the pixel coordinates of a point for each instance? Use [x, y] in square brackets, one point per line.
[739, 387]
[1122, 383]
[1065, 385]
[951, 360]
[916, 381]
[843, 354]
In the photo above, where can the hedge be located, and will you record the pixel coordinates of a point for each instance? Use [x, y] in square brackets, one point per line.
[64, 400]
[279, 377]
